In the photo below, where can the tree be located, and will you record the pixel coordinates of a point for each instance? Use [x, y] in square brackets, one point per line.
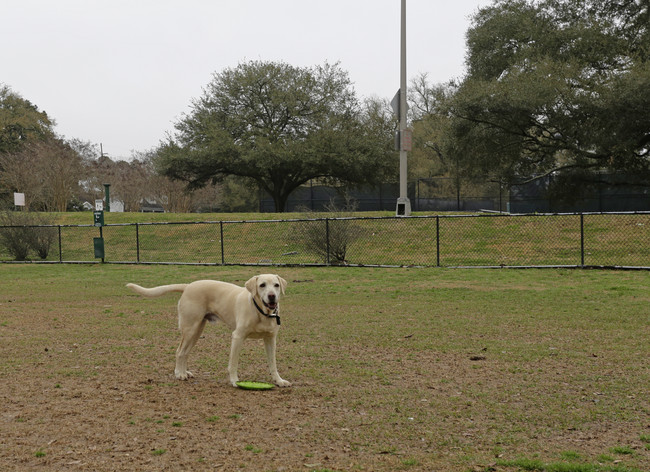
[555, 86]
[20, 121]
[430, 122]
[173, 194]
[47, 171]
[278, 126]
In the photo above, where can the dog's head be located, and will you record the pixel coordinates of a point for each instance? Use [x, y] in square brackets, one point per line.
[268, 288]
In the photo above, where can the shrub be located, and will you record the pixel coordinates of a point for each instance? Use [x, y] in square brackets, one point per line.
[23, 232]
[41, 240]
[330, 237]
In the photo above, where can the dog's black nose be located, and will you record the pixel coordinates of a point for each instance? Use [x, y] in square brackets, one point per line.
[271, 297]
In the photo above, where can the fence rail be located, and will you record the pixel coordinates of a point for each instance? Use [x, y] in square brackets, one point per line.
[489, 240]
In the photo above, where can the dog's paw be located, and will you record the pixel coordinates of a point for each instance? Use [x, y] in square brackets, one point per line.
[184, 375]
[234, 382]
[282, 383]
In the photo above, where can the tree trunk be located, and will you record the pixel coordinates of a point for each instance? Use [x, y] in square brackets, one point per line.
[280, 201]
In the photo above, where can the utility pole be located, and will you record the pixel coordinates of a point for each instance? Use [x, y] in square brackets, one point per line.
[404, 141]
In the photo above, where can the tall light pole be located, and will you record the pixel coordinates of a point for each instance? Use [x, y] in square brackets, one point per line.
[404, 141]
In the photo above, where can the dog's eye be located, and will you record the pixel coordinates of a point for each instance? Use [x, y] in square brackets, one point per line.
[262, 285]
[277, 285]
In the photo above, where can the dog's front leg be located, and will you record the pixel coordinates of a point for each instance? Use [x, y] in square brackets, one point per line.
[269, 346]
[233, 364]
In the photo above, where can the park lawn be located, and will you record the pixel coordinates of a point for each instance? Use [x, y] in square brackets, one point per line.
[392, 369]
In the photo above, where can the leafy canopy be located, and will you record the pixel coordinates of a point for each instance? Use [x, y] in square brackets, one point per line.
[555, 85]
[20, 121]
[280, 126]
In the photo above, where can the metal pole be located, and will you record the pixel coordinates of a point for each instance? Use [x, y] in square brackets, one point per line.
[101, 235]
[403, 204]
[60, 254]
[137, 242]
[438, 240]
[582, 239]
[327, 242]
[223, 257]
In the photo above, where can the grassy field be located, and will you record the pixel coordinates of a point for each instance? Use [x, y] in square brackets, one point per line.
[392, 369]
[608, 240]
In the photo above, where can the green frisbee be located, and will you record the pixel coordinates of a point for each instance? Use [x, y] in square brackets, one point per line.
[255, 385]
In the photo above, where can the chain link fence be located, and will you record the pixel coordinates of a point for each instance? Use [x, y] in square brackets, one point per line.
[557, 240]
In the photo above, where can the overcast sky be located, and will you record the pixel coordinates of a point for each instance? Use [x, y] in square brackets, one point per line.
[122, 72]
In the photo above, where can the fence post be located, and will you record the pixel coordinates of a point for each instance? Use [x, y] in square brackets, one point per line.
[438, 240]
[137, 242]
[582, 239]
[60, 255]
[327, 238]
[223, 258]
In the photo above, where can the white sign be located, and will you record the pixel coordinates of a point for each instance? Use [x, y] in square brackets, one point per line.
[99, 205]
[19, 199]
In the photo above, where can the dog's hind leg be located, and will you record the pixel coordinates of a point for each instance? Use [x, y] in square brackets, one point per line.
[189, 336]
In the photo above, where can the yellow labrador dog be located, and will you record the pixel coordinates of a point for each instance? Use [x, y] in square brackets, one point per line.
[250, 312]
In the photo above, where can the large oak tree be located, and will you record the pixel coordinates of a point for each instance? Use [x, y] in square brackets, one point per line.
[556, 86]
[280, 126]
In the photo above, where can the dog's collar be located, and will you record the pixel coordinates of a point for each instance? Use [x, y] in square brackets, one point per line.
[273, 314]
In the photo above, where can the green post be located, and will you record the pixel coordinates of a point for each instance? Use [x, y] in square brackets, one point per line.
[107, 191]
[98, 243]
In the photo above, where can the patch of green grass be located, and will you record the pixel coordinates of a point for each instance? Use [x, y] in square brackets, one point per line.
[622, 450]
[410, 462]
[252, 448]
[569, 456]
[540, 466]
[158, 452]
[479, 240]
[40, 453]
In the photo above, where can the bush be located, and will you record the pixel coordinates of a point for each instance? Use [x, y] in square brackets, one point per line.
[41, 240]
[24, 232]
[330, 237]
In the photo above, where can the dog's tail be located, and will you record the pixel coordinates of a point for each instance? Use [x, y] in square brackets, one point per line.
[157, 291]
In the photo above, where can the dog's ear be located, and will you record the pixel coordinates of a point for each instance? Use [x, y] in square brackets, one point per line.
[251, 285]
[283, 283]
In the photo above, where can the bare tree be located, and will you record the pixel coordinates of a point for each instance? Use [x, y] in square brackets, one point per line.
[18, 175]
[47, 172]
[61, 168]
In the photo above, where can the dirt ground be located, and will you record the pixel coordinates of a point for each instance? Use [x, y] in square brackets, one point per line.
[142, 419]
[89, 386]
